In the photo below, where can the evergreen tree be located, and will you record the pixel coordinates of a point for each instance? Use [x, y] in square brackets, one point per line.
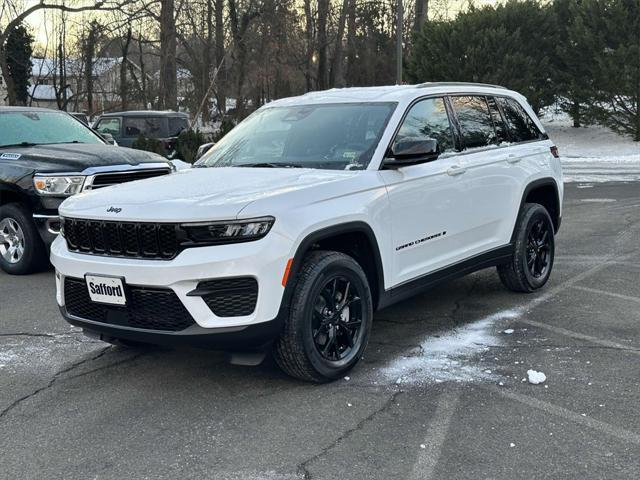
[572, 72]
[19, 48]
[610, 32]
[510, 45]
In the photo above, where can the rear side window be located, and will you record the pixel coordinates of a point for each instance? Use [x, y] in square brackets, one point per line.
[177, 125]
[151, 127]
[502, 134]
[426, 120]
[475, 121]
[521, 127]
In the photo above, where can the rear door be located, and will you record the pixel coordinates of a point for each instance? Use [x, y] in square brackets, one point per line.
[428, 201]
[493, 183]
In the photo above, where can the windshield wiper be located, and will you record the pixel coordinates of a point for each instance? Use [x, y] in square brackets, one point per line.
[21, 144]
[269, 165]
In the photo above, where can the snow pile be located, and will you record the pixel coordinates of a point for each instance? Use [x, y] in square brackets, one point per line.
[594, 153]
[536, 378]
[449, 357]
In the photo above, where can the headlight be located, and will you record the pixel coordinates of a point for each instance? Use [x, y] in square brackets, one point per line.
[232, 231]
[62, 186]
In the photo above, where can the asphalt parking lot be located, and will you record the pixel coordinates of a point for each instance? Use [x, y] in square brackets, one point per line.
[439, 395]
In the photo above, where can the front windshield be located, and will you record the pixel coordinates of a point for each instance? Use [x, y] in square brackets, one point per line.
[328, 136]
[41, 128]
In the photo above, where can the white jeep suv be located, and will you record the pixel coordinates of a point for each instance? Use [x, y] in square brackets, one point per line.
[310, 215]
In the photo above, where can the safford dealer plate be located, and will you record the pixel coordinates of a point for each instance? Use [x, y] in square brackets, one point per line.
[108, 290]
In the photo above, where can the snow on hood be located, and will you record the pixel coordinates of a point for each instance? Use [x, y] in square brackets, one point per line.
[197, 194]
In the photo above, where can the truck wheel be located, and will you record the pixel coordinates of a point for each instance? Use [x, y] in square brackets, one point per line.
[532, 261]
[21, 248]
[329, 319]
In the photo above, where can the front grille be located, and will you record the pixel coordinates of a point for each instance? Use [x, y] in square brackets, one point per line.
[229, 297]
[122, 239]
[107, 179]
[147, 308]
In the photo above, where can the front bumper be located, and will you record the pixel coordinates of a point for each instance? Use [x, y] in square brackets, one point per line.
[48, 226]
[265, 260]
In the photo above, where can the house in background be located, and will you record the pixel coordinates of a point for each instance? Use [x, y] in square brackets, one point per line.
[56, 85]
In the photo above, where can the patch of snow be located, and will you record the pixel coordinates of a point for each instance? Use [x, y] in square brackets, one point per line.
[508, 331]
[450, 356]
[536, 378]
[592, 154]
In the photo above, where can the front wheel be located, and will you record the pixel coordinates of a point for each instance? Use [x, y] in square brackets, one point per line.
[21, 248]
[327, 327]
[532, 261]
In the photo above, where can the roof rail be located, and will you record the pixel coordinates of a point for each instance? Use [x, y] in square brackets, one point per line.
[453, 84]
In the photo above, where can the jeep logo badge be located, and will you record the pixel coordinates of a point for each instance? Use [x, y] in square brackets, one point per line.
[114, 210]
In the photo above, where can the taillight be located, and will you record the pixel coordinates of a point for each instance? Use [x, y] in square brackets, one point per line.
[554, 151]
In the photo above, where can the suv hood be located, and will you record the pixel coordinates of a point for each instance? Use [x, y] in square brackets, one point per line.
[74, 157]
[195, 195]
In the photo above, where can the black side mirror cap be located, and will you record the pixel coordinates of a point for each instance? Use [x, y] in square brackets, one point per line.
[411, 152]
[204, 148]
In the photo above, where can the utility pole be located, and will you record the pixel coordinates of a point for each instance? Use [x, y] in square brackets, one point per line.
[399, 44]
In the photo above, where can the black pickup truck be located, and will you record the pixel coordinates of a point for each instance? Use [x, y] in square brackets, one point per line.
[46, 156]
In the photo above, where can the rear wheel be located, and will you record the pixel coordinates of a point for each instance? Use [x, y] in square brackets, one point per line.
[530, 267]
[327, 327]
[21, 248]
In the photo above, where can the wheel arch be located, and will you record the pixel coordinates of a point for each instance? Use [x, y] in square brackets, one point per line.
[355, 239]
[544, 191]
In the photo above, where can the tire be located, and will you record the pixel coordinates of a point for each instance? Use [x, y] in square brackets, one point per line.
[18, 228]
[530, 266]
[321, 341]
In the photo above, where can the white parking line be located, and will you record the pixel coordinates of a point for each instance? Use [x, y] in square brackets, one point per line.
[619, 433]
[604, 292]
[581, 336]
[431, 449]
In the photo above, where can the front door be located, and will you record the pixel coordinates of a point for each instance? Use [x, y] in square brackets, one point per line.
[428, 201]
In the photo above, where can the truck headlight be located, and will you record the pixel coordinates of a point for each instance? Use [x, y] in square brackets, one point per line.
[231, 231]
[60, 185]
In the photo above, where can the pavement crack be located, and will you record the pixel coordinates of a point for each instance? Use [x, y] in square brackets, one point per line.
[53, 380]
[302, 468]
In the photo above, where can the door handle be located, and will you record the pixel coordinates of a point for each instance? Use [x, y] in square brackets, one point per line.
[456, 170]
[513, 158]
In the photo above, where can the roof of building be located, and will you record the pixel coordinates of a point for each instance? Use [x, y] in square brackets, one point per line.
[46, 67]
[45, 92]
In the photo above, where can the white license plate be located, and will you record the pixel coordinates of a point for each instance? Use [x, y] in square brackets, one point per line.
[106, 290]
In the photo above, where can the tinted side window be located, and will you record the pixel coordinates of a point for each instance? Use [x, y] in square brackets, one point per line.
[501, 129]
[427, 120]
[110, 126]
[152, 127]
[177, 125]
[475, 121]
[521, 127]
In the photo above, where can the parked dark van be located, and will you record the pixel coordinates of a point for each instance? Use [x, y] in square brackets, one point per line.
[127, 127]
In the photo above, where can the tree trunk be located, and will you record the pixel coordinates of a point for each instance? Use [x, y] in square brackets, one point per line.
[351, 42]
[323, 73]
[221, 99]
[124, 93]
[308, 75]
[336, 76]
[168, 66]
[575, 113]
[422, 10]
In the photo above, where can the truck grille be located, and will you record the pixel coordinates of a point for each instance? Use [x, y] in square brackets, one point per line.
[147, 308]
[122, 239]
[114, 178]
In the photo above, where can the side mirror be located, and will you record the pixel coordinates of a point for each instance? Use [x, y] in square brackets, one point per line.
[411, 152]
[108, 138]
[204, 148]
